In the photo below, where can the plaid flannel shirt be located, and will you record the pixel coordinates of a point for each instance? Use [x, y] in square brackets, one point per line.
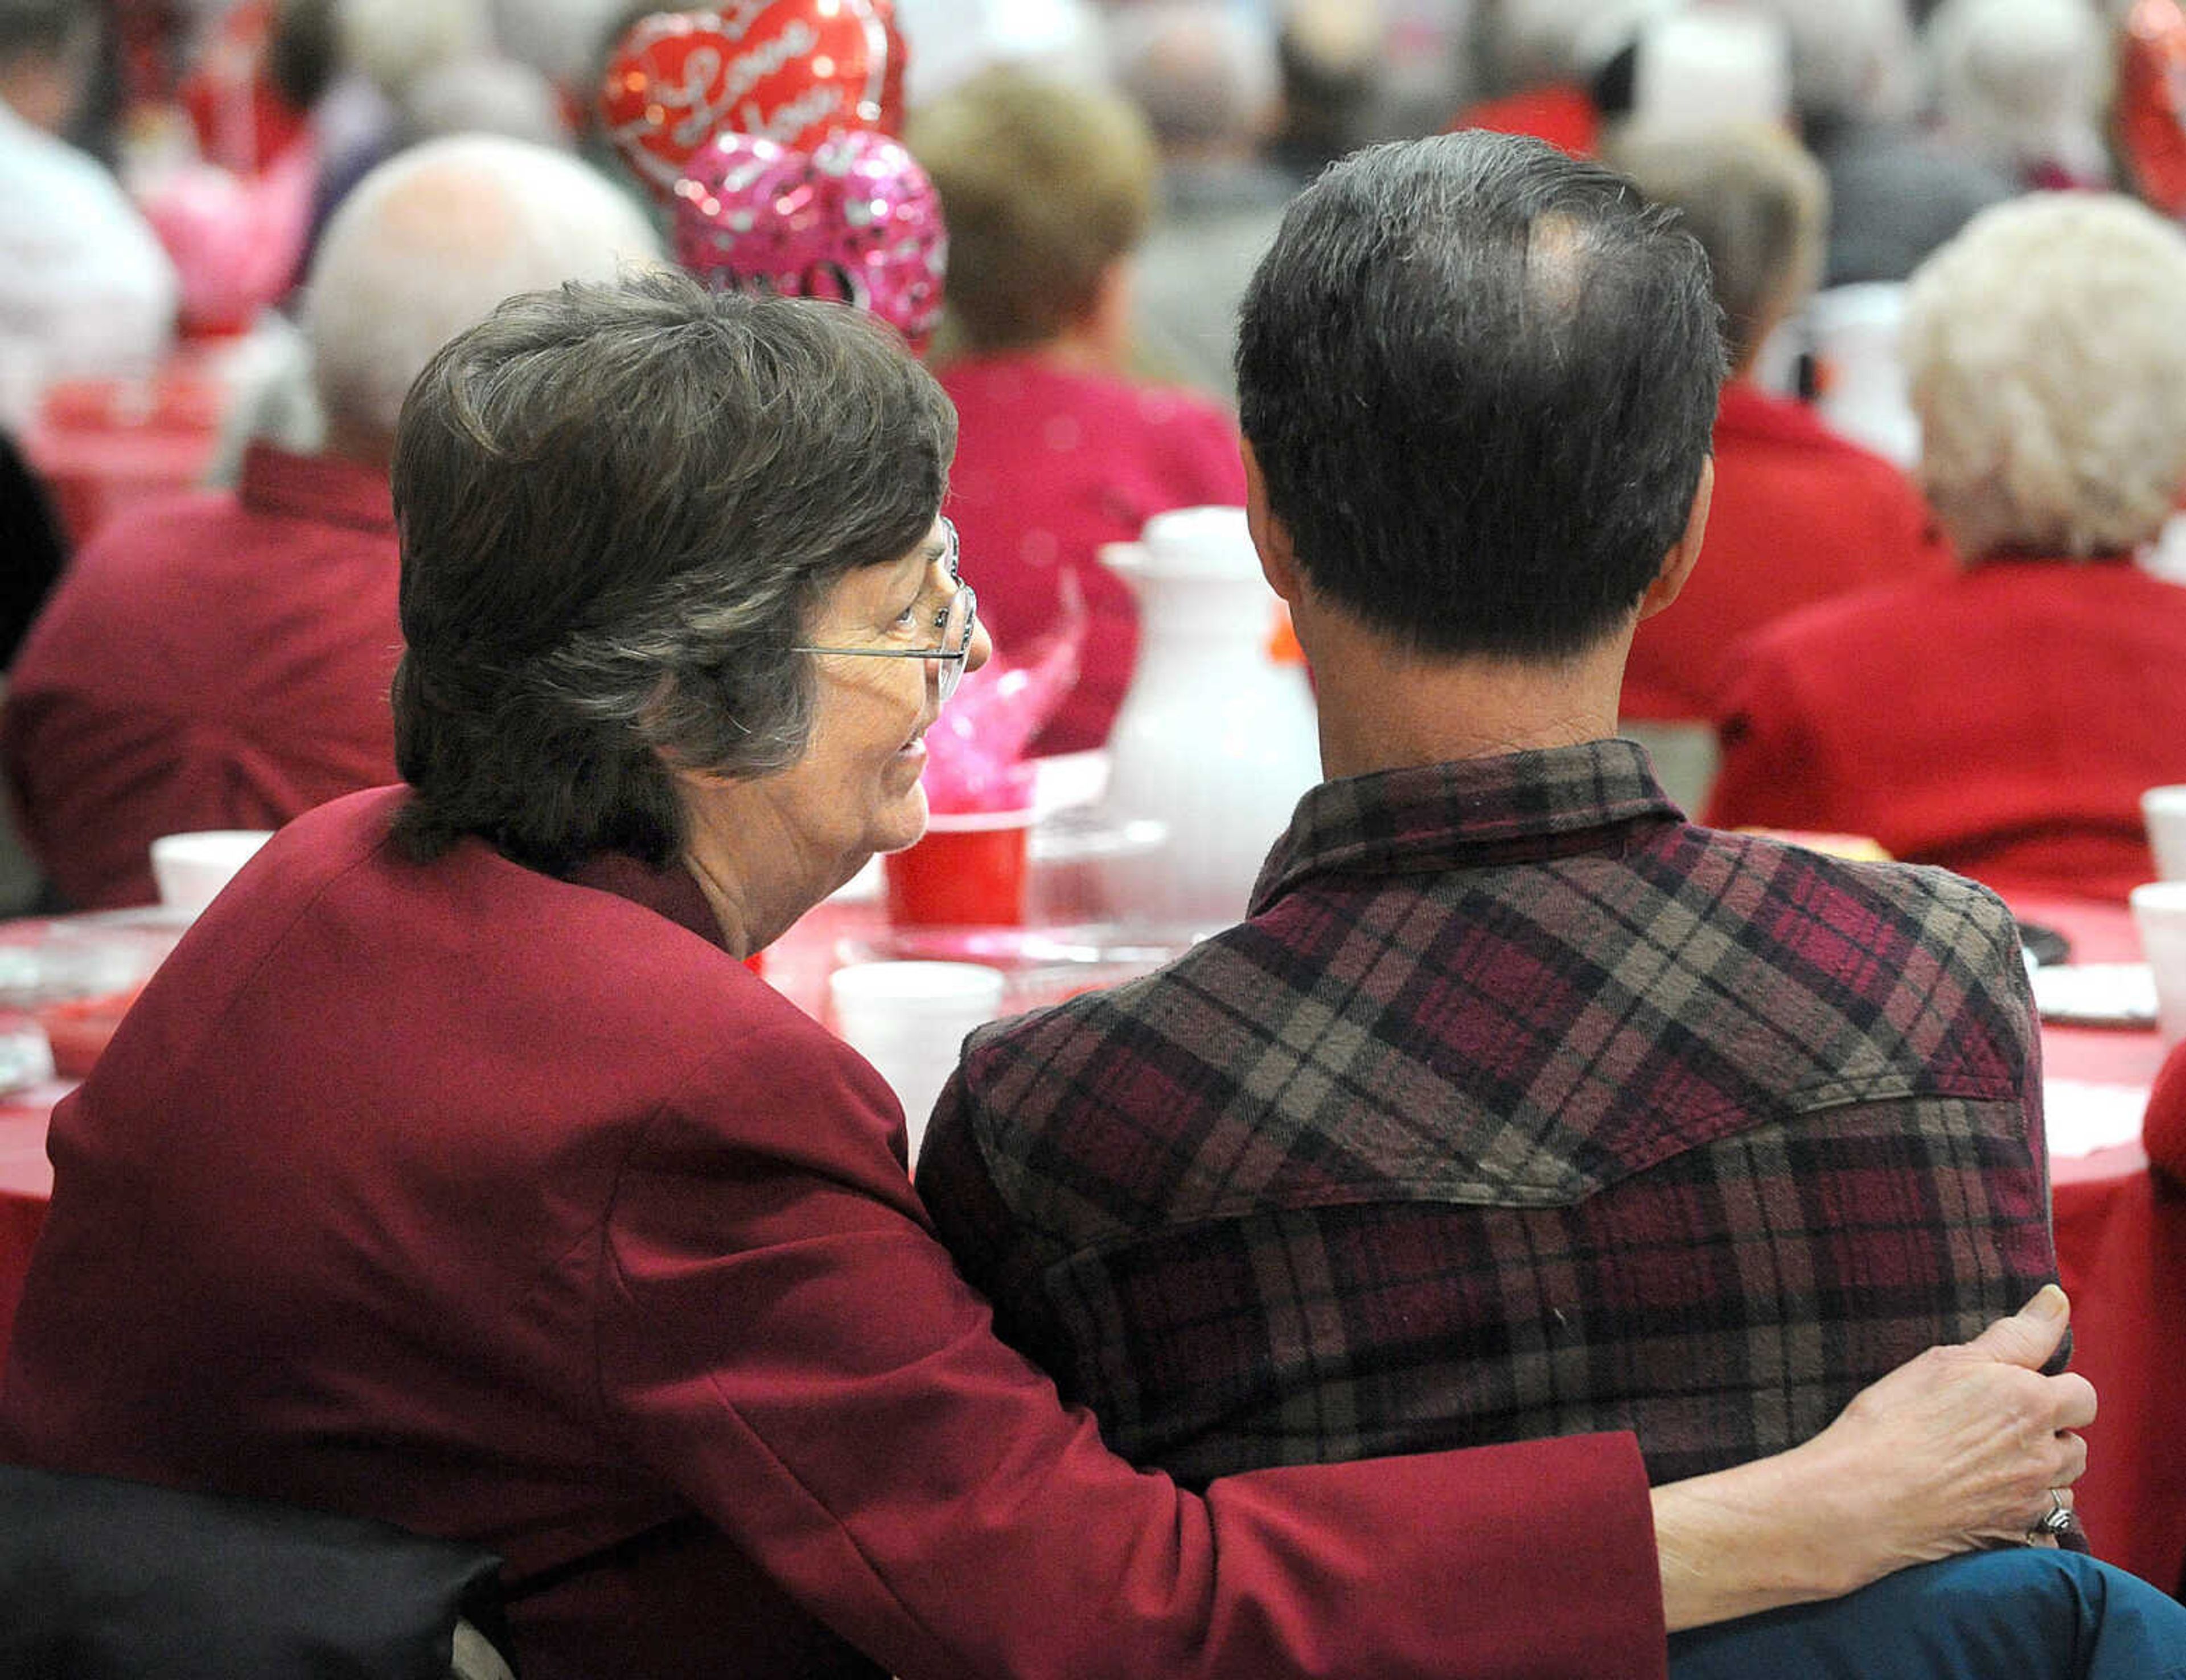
[1519, 1106]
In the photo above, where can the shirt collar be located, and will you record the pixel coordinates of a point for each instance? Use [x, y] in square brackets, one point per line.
[1469, 813]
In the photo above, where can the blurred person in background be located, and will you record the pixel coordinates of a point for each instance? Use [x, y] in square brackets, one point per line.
[1800, 514]
[1722, 65]
[1333, 79]
[952, 41]
[243, 73]
[2024, 86]
[561, 40]
[222, 660]
[1208, 79]
[85, 290]
[381, 47]
[484, 93]
[1534, 61]
[2003, 720]
[479, 92]
[1047, 186]
[1427, 66]
[1896, 191]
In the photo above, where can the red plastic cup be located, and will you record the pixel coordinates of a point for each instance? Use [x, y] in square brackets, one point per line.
[968, 872]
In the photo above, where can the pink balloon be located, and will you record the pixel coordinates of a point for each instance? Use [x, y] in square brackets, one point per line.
[855, 219]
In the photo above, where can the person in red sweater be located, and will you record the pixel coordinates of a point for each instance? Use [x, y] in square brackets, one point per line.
[221, 659]
[1800, 513]
[2003, 720]
[1047, 186]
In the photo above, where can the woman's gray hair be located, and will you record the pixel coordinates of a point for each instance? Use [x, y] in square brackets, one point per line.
[2045, 346]
[620, 507]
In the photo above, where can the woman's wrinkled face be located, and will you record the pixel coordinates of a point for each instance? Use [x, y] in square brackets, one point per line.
[856, 790]
[765, 849]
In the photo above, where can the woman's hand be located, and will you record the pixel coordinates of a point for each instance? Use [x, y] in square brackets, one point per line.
[1955, 1449]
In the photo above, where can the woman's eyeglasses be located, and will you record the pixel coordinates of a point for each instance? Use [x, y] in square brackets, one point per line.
[955, 624]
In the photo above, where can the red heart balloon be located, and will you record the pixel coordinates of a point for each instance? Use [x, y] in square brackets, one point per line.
[793, 71]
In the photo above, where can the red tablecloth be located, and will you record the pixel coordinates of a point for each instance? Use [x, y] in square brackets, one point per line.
[2121, 1244]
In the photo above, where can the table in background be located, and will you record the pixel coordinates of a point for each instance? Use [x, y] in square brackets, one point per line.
[2122, 1253]
[102, 446]
[2121, 1233]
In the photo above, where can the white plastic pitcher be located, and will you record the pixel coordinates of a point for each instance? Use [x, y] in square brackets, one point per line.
[1216, 739]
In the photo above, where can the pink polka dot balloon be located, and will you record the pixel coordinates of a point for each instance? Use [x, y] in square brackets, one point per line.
[855, 219]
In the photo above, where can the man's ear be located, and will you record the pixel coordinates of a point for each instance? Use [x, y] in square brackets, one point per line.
[1678, 563]
[1271, 538]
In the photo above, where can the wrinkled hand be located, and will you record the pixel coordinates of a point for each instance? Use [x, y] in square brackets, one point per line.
[1957, 1448]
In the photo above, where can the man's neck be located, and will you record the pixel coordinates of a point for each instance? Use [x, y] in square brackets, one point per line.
[1384, 708]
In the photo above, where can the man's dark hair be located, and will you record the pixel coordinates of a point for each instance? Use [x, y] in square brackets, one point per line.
[620, 506]
[1479, 378]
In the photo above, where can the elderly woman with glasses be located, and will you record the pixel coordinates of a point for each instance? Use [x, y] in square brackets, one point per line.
[455, 1172]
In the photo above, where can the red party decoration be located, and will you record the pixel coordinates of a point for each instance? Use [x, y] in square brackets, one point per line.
[793, 71]
[891, 120]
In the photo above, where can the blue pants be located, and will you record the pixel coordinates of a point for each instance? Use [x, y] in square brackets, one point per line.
[2016, 1615]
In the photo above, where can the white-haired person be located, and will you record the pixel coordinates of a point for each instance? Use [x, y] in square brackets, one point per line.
[2003, 721]
[1896, 190]
[1800, 513]
[2023, 84]
[221, 659]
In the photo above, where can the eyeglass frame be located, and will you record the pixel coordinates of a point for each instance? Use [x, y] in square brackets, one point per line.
[950, 661]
